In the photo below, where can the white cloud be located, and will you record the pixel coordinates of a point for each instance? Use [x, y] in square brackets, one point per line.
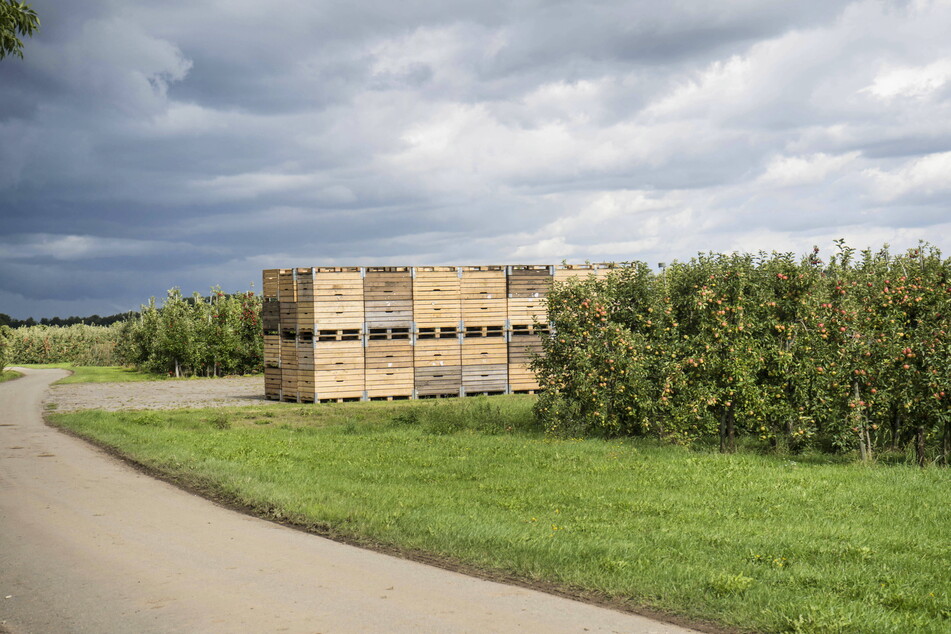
[791, 171]
[911, 81]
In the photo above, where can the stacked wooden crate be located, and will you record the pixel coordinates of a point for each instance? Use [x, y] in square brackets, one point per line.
[484, 310]
[528, 288]
[271, 324]
[388, 304]
[337, 326]
[437, 315]
[341, 333]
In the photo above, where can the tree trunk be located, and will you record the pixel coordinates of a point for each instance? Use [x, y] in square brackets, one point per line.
[727, 431]
[920, 445]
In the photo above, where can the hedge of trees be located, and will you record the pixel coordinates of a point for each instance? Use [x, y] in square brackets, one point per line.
[849, 354]
[195, 335]
[78, 344]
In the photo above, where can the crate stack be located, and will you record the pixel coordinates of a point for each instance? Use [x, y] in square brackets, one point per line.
[388, 303]
[347, 333]
[271, 323]
[437, 316]
[528, 288]
[484, 310]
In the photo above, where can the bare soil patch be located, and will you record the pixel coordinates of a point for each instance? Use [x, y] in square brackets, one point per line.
[157, 394]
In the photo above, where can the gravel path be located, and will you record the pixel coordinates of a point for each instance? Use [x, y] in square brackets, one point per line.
[158, 394]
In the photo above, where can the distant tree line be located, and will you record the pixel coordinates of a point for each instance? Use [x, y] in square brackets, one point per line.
[92, 320]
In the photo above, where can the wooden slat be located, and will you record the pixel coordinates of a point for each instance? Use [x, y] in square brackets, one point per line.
[389, 382]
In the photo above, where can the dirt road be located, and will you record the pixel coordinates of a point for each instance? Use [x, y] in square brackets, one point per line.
[87, 544]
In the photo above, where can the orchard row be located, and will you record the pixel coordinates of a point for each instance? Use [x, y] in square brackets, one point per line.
[849, 354]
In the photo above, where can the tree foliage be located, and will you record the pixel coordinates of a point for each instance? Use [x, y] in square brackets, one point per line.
[78, 344]
[16, 20]
[196, 335]
[853, 354]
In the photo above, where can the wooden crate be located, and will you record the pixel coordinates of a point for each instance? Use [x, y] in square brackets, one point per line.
[483, 379]
[388, 313]
[289, 385]
[286, 286]
[270, 315]
[521, 379]
[338, 334]
[338, 284]
[288, 353]
[272, 351]
[527, 310]
[272, 383]
[390, 283]
[484, 351]
[565, 272]
[529, 281]
[522, 349]
[441, 352]
[437, 312]
[342, 315]
[438, 381]
[484, 311]
[387, 354]
[396, 381]
[482, 283]
[288, 315]
[436, 299]
[338, 356]
[270, 281]
[339, 384]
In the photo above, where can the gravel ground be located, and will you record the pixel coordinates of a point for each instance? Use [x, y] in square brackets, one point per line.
[158, 394]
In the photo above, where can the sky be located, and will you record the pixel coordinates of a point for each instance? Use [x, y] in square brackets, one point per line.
[146, 145]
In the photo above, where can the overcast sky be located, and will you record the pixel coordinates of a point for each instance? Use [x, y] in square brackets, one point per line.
[151, 144]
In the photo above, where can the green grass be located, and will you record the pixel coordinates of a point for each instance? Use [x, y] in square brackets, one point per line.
[100, 374]
[749, 541]
[9, 375]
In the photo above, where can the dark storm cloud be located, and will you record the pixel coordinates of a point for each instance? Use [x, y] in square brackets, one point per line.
[154, 144]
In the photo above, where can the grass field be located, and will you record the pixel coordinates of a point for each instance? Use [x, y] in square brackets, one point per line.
[755, 542]
[104, 374]
[9, 375]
